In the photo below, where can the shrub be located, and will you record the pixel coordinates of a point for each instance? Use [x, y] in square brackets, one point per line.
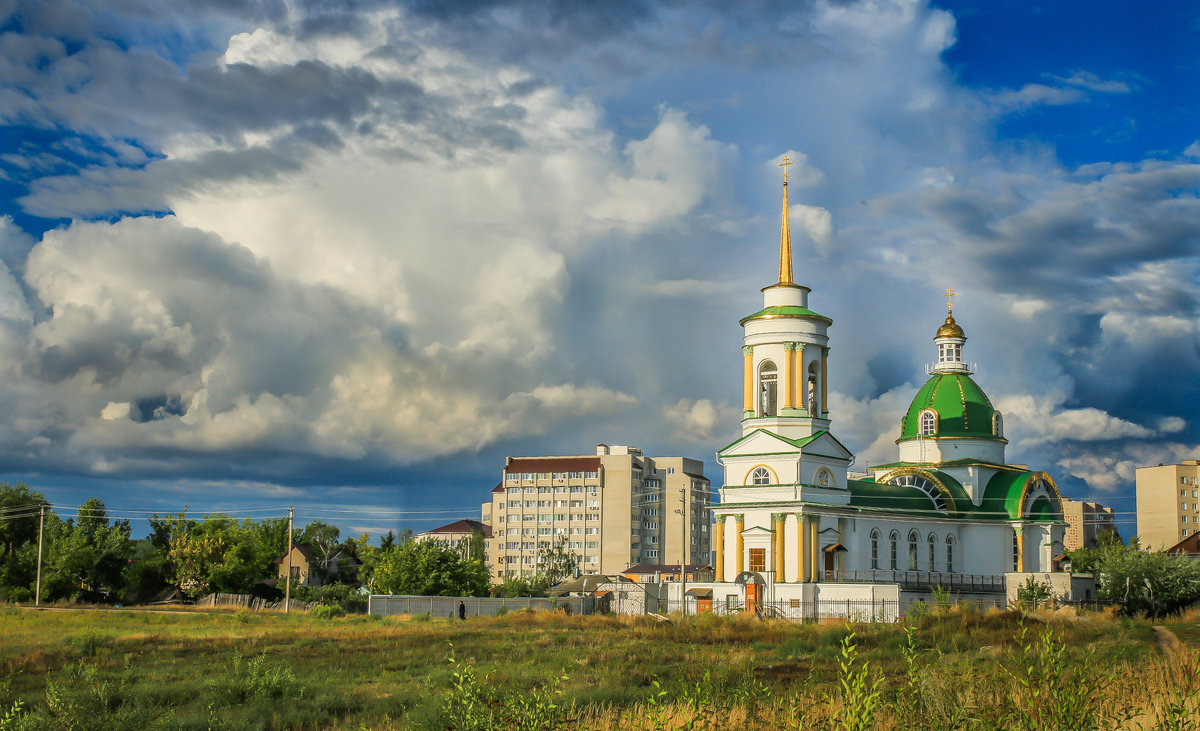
[258, 678]
[1034, 593]
[326, 611]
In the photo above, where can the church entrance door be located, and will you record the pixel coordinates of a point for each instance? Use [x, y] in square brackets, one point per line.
[753, 597]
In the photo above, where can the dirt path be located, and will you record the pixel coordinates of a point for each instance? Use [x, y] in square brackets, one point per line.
[1168, 643]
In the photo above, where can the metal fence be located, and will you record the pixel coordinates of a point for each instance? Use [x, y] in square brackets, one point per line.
[857, 610]
[447, 606]
[923, 580]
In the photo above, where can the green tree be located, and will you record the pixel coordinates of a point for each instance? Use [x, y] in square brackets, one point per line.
[557, 563]
[429, 568]
[89, 554]
[323, 540]
[1154, 583]
[19, 507]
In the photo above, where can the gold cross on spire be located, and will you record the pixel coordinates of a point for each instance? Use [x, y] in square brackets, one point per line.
[784, 165]
[950, 299]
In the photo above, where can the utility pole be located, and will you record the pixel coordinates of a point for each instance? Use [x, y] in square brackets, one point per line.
[683, 518]
[287, 596]
[37, 598]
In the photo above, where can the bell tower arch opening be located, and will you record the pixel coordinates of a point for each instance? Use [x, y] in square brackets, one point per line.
[768, 389]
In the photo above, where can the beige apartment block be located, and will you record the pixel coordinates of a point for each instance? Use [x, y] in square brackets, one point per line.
[1167, 498]
[1085, 521]
[613, 509]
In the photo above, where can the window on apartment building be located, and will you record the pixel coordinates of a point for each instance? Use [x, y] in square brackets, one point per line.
[576, 488]
[593, 503]
[526, 475]
[543, 517]
[651, 499]
[592, 475]
[593, 490]
[576, 516]
[875, 549]
[651, 526]
[560, 516]
[1183, 506]
[592, 544]
[653, 512]
[512, 477]
[670, 470]
[543, 503]
[543, 531]
[527, 516]
[592, 559]
[651, 554]
[514, 491]
[653, 540]
[758, 559]
[545, 490]
[560, 531]
[591, 531]
[576, 504]
[501, 518]
[560, 503]
[577, 531]
[530, 490]
[560, 489]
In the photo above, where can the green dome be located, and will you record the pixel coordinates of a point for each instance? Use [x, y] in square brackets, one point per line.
[962, 408]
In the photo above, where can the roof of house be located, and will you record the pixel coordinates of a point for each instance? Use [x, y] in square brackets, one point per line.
[304, 551]
[462, 526]
[499, 487]
[664, 568]
[580, 584]
[1189, 546]
[553, 464]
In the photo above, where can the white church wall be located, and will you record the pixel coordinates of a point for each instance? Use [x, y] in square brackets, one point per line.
[946, 449]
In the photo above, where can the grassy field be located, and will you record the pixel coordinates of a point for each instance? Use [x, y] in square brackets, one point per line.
[959, 668]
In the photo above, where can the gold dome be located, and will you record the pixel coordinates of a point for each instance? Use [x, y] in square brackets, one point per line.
[950, 329]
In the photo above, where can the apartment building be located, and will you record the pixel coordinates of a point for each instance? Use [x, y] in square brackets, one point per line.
[1167, 503]
[1085, 521]
[613, 509]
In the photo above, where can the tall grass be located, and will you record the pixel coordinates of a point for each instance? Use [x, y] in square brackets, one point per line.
[955, 668]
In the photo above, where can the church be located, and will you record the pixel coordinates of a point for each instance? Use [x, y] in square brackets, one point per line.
[796, 529]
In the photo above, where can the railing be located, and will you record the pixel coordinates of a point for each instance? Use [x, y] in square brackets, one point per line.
[922, 580]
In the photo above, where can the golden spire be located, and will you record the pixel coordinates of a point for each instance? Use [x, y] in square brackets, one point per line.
[785, 234]
[950, 328]
[950, 300]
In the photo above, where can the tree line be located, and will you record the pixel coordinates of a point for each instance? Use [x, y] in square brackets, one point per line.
[91, 557]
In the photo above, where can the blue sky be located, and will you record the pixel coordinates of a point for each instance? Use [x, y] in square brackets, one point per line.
[348, 257]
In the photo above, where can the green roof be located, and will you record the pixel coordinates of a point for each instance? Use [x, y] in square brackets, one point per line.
[797, 443]
[1001, 498]
[802, 313]
[963, 409]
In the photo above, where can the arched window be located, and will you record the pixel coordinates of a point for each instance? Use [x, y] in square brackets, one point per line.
[1016, 550]
[814, 391]
[824, 478]
[925, 486]
[928, 423]
[998, 424]
[760, 476]
[949, 553]
[932, 550]
[895, 539]
[768, 389]
[913, 539]
[875, 549]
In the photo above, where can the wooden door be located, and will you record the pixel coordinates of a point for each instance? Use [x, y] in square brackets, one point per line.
[753, 596]
[703, 604]
[830, 566]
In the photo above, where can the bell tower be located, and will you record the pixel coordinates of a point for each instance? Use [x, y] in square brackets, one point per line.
[785, 352]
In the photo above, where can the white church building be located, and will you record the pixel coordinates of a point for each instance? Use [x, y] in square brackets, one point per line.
[795, 528]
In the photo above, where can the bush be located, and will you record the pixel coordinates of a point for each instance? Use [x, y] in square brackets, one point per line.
[258, 678]
[326, 611]
[1034, 593]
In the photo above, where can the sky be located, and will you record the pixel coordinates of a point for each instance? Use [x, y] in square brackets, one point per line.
[347, 256]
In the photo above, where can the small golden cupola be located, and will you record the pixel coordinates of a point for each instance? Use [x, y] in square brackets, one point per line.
[949, 340]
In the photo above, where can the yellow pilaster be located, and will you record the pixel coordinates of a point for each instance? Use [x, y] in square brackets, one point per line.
[789, 375]
[805, 548]
[748, 395]
[798, 381]
[778, 564]
[1020, 532]
[824, 381]
[739, 524]
[814, 548]
[800, 572]
[719, 548]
